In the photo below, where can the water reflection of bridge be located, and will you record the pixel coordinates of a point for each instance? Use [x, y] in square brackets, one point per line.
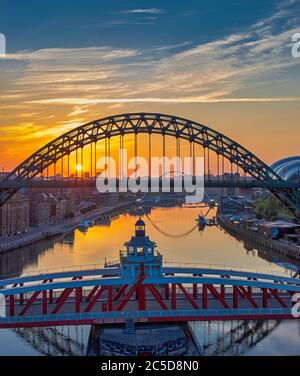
[231, 338]
[56, 341]
[214, 338]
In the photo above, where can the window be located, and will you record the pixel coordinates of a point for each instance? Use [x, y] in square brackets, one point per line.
[140, 251]
[131, 251]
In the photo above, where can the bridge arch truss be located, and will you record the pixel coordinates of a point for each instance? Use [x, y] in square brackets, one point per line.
[151, 123]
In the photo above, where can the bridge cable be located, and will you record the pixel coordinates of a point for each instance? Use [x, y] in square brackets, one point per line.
[149, 156]
[178, 155]
[81, 162]
[176, 236]
[208, 163]
[194, 159]
[135, 153]
[91, 161]
[76, 160]
[62, 168]
[164, 153]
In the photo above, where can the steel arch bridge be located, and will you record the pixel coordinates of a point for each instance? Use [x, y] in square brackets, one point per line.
[106, 296]
[151, 123]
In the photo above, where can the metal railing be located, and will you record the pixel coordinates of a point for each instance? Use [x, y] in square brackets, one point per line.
[70, 268]
[174, 264]
[169, 264]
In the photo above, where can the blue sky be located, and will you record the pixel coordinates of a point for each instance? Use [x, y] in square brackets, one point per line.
[224, 63]
[35, 24]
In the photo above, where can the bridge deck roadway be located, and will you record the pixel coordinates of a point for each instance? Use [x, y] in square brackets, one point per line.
[213, 183]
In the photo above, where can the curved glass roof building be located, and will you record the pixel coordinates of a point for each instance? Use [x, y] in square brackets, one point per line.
[288, 168]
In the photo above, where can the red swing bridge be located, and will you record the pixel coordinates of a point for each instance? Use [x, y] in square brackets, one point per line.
[139, 287]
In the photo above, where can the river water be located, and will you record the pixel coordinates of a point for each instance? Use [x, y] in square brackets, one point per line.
[179, 240]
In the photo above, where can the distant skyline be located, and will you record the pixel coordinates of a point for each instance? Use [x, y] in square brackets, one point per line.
[224, 64]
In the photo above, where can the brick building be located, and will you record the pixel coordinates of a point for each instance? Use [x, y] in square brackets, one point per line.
[14, 215]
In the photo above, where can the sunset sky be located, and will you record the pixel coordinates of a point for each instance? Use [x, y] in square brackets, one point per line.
[226, 64]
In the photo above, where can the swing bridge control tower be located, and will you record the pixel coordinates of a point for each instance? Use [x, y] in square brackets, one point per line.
[141, 256]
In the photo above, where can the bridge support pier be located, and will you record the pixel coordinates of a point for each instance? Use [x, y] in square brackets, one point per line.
[235, 297]
[204, 297]
[195, 290]
[11, 305]
[222, 291]
[50, 293]
[265, 298]
[173, 296]
[167, 292]
[141, 297]
[110, 299]
[78, 298]
[21, 295]
[44, 303]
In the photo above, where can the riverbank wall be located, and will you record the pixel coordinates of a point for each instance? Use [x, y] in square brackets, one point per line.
[281, 247]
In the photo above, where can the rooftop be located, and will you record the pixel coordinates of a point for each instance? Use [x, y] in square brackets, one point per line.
[140, 241]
